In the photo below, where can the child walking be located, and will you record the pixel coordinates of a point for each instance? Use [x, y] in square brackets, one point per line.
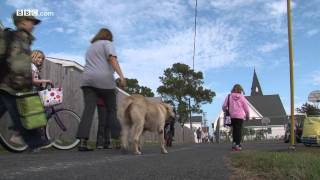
[239, 111]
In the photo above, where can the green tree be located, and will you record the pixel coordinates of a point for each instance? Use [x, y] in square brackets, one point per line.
[146, 91]
[133, 87]
[309, 109]
[181, 84]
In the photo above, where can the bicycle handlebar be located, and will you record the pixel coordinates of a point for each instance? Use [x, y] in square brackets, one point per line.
[49, 85]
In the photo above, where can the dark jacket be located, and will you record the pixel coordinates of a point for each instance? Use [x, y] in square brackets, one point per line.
[19, 76]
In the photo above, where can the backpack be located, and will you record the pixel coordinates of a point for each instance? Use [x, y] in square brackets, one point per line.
[15, 71]
[7, 35]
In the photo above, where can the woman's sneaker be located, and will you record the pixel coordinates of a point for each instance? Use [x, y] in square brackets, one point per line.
[236, 148]
[233, 145]
[99, 147]
[83, 146]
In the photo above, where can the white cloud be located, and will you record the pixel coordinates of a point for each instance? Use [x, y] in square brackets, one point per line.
[313, 32]
[275, 13]
[69, 31]
[41, 5]
[311, 9]
[58, 29]
[269, 47]
[279, 7]
[124, 18]
[264, 17]
[23, 3]
[63, 30]
[217, 47]
[230, 4]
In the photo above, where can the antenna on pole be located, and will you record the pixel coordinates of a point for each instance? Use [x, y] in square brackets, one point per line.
[195, 32]
[194, 51]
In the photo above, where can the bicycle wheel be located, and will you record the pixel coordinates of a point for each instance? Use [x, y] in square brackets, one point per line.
[63, 138]
[10, 139]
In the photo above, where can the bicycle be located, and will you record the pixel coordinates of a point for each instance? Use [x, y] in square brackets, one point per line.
[61, 129]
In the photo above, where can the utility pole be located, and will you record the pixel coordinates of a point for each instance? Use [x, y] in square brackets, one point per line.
[218, 130]
[292, 146]
[204, 119]
[190, 114]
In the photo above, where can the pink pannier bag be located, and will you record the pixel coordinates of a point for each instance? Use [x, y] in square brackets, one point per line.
[51, 96]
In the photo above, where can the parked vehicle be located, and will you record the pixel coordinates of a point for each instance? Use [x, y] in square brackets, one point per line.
[298, 132]
[311, 131]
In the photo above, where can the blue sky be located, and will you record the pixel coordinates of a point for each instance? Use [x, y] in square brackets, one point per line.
[233, 38]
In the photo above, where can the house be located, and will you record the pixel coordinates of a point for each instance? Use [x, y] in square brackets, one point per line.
[196, 122]
[267, 114]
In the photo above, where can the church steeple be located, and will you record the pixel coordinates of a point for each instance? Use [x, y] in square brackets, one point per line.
[256, 88]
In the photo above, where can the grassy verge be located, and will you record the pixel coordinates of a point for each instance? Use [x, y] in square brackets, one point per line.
[302, 164]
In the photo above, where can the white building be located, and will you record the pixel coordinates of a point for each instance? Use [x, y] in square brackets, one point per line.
[196, 122]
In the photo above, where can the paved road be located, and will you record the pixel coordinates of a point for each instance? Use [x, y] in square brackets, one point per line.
[204, 161]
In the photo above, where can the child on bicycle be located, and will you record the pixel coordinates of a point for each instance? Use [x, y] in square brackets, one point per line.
[39, 84]
[38, 58]
[16, 77]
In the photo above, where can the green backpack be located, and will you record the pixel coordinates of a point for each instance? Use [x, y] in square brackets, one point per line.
[31, 111]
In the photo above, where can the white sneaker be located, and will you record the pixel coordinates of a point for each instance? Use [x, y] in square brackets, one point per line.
[17, 139]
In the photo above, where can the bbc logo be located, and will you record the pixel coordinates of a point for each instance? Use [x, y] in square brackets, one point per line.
[27, 12]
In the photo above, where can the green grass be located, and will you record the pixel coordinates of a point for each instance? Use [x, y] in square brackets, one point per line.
[302, 164]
